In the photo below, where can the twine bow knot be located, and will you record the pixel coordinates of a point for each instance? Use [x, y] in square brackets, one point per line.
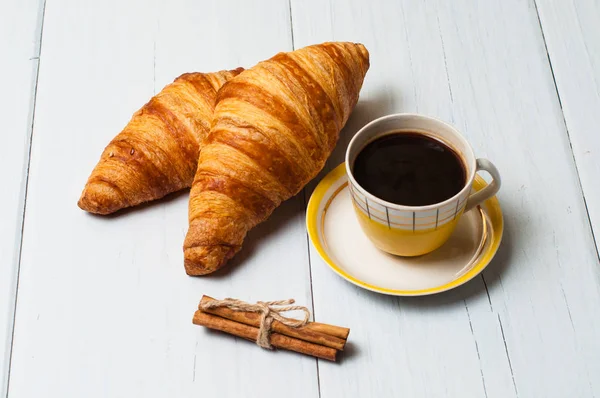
[268, 310]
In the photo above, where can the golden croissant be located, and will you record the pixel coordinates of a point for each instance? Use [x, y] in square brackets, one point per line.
[274, 126]
[157, 152]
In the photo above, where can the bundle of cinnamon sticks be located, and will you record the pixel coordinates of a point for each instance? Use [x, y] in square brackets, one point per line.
[316, 339]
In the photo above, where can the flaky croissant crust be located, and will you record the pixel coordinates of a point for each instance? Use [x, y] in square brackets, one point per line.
[157, 152]
[274, 127]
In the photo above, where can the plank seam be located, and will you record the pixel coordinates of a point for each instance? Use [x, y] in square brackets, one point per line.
[194, 367]
[476, 348]
[24, 208]
[487, 292]
[312, 296]
[291, 24]
[581, 190]
[437, 15]
[512, 374]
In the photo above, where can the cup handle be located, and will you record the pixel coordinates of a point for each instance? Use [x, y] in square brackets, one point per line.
[490, 190]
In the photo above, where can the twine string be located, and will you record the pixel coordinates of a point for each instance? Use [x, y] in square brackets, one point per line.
[269, 311]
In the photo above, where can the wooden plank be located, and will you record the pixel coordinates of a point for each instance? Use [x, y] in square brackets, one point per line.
[105, 307]
[412, 347]
[20, 24]
[544, 284]
[572, 33]
[531, 331]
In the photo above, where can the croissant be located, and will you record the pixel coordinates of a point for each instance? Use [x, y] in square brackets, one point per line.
[157, 152]
[274, 126]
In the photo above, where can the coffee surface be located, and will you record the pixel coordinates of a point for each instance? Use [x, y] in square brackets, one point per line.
[409, 168]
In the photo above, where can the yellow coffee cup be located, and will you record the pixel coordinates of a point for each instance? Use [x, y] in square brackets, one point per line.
[415, 230]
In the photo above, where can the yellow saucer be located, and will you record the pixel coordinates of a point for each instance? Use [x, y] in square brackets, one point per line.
[337, 236]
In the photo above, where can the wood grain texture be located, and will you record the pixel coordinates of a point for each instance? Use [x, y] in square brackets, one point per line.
[20, 30]
[104, 304]
[407, 355]
[527, 328]
[572, 33]
[544, 284]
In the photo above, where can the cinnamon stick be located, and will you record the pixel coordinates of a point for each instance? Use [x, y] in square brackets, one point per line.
[318, 333]
[251, 333]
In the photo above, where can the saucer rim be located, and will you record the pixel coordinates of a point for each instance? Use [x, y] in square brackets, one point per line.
[491, 208]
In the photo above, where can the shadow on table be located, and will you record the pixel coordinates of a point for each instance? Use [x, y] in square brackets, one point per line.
[259, 235]
[351, 350]
[141, 208]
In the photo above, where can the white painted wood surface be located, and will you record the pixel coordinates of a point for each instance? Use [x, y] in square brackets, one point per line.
[414, 347]
[104, 307]
[483, 68]
[572, 33]
[20, 23]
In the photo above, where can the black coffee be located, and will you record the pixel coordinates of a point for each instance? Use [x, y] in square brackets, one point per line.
[409, 168]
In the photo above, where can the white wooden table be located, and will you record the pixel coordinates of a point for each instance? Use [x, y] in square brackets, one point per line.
[101, 307]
